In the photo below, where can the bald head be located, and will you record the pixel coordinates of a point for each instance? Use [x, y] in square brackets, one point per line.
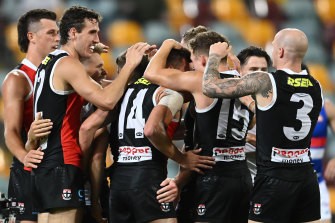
[293, 41]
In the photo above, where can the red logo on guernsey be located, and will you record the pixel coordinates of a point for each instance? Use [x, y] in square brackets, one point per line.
[134, 150]
[228, 154]
[279, 155]
[130, 154]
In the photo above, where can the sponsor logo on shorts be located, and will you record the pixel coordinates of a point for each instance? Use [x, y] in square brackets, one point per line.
[131, 154]
[257, 208]
[81, 193]
[166, 207]
[201, 210]
[279, 155]
[229, 154]
[67, 195]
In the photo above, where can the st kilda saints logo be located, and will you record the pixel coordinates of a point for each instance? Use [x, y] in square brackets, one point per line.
[201, 210]
[165, 207]
[67, 195]
[257, 209]
[20, 205]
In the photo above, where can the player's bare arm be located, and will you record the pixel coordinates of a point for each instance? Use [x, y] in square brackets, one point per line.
[257, 83]
[39, 129]
[252, 83]
[104, 98]
[89, 127]
[155, 131]
[14, 91]
[174, 79]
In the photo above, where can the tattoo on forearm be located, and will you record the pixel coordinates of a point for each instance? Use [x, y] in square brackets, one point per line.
[257, 82]
[211, 70]
[211, 74]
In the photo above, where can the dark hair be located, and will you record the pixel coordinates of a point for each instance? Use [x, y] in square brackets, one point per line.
[176, 56]
[202, 42]
[139, 70]
[26, 20]
[74, 17]
[192, 32]
[250, 51]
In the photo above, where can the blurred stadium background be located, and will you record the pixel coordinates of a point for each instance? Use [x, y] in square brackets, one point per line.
[244, 22]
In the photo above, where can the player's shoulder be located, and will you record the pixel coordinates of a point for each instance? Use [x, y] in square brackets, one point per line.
[68, 65]
[15, 83]
[15, 75]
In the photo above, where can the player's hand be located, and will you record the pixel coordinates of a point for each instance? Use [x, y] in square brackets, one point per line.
[152, 53]
[136, 52]
[100, 48]
[246, 100]
[168, 192]
[251, 138]
[193, 161]
[173, 44]
[234, 62]
[330, 171]
[33, 158]
[39, 128]
[222, 49]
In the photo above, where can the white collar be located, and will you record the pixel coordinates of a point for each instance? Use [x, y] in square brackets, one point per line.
[231, 72]
[29, 64]
[289, 71]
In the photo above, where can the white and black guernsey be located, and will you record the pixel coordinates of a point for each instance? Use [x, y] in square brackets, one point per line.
[222, 129]
[285, 127]
[63, 108]
[128, 143]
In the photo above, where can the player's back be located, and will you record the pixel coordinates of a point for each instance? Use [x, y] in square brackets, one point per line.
[284, 128]
[129, 144]
[222, 129]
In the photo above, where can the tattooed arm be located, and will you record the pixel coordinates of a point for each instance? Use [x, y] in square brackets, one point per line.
[257, 83]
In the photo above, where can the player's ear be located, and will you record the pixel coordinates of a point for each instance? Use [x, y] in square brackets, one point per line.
[203, 60]
[30, 36]
[72, 32]
[281, 52]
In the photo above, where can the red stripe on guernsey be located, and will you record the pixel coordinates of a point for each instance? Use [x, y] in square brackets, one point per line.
[318, 142]
[70, 129]
[172, 127]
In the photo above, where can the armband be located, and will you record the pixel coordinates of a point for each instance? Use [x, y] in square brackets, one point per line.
[173, 100]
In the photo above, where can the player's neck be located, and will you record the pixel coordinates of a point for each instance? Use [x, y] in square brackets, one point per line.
[71, 50]
[295, 67]
[34, 57]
